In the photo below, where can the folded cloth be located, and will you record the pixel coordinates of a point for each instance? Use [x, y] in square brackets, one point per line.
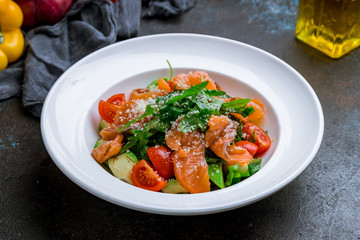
[89, 25]
[168, 8]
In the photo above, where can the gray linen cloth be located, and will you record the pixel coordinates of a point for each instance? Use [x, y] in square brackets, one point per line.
[89, 25]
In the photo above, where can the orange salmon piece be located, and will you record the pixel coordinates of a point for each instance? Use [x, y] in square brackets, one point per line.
[190, 166]
[145, 93]
[201, 76]
[107, 149]
[185, 81]
[181, 81]
[259, 111]
[163, 85]
[222, 132]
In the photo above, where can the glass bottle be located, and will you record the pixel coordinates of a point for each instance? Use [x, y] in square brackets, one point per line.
[331, 26]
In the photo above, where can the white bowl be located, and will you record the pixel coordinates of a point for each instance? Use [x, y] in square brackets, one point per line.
[294, 117]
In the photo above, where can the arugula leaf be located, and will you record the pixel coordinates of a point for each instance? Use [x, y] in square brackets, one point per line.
[212, 160]
[148, 111]
[217, 93]
[239, 133]
[252, 138]
[205, 101]
[197, 117]
[157, 138]
[192, 121]
[137, 143]
[216, 174]
[236, 104]
[254, 165]
[170, 113]
[211, 157]
[248, 111]
[171, 70]
[189, 92]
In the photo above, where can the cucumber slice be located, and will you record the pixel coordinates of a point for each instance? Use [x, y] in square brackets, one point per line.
[103, 124]
[122, 165]
[174, 187]
[98, 143]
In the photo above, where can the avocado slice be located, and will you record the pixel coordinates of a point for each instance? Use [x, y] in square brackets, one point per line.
[122, 165]
[103, 124]
[174, 187]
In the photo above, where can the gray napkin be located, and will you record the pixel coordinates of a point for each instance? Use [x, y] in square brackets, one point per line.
[89, 25]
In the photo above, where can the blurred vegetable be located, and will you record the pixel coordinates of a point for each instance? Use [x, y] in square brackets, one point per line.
[42, 12]
[11, 37]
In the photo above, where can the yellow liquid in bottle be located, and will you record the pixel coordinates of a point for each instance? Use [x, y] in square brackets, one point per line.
[331, 26]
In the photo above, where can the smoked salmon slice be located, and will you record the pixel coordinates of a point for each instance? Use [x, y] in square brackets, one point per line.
[185, 81]
[107, 149]
[190, 166]
[222, 131]
[129, 111]
[258, 115]
[145, 93]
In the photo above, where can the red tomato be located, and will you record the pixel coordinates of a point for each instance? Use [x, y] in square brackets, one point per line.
[107, 111]
[251, 147]
[144, 176]
[117, 99]
[160, 157]
[262, 140]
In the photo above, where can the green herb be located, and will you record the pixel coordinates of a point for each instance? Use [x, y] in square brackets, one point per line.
[148, 111]
[237, 104]
[171, 70]
[197, 117]
[248, 111]
[137, 143]
[170, 113]
[217, 93]
[212, 160]
[188, 92]
[252, 138]
[192, 121]
[239, 133]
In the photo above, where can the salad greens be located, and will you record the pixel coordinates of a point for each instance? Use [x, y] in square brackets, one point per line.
[194, 106]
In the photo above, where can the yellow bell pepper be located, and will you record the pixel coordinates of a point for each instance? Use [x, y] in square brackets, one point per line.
[11, 37]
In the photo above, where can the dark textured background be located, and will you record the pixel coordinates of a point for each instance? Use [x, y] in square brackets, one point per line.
[37, 201]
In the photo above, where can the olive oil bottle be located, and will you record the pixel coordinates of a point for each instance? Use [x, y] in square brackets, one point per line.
[331, 26]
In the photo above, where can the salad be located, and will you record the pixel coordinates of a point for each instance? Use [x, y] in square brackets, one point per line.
[181, 134]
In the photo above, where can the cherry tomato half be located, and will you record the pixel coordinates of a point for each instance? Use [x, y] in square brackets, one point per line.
[251, 147]
[117, 99]
[262, 140]
[160, 157]
[144, 176]
[108, 111]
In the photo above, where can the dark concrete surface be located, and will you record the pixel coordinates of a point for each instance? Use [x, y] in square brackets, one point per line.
[37, 201]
